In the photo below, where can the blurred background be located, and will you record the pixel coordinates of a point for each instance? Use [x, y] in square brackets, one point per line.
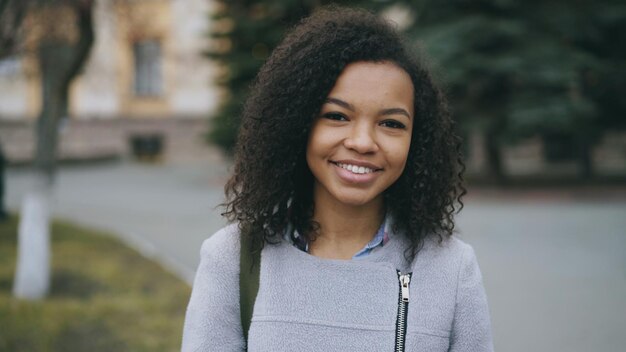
[118, 118]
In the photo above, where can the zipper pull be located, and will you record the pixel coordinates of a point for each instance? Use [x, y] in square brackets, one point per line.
[404, 282]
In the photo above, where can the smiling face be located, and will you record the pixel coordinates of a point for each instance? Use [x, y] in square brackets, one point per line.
[359, 143]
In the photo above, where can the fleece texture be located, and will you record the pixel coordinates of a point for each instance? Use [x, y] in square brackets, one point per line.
[306, 303]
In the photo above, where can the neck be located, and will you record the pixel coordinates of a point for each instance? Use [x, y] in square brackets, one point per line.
[344, 229]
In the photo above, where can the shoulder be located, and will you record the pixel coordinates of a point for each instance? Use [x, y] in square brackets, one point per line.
[218, 271]
[219, 254]
[222, 246]
[456, 261]
[451, 258]
[212, 321]
[463, 281]
[463, 252]
[452, 249]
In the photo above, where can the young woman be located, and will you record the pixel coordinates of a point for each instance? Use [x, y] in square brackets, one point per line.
[347, 175]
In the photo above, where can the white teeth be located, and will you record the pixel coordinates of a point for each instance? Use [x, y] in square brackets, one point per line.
[355, 169]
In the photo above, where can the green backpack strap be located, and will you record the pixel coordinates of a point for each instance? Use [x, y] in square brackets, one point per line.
[249, 271]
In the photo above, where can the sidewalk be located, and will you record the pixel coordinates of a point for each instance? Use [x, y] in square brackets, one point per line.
[165, 211]
[550, 194]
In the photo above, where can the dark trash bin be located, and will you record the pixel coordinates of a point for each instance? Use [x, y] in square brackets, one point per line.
[147, 147]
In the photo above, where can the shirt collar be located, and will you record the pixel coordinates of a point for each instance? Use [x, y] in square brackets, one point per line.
[381, 237]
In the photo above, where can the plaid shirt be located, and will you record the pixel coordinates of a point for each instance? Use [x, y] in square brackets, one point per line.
[381, 237]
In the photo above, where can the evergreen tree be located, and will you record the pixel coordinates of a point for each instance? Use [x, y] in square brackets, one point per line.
[244, 32]
[513, 69]
[516, 69]
[243, 35]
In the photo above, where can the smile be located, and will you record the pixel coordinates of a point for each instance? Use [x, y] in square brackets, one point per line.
[355, 169]
[356, 175]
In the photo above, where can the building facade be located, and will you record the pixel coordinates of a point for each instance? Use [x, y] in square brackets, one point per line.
[146, 62]
[145, 71]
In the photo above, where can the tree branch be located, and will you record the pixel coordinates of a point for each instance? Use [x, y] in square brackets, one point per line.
[84, 23]
[12, 13]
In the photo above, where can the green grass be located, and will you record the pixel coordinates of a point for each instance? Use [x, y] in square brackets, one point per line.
[103, 297]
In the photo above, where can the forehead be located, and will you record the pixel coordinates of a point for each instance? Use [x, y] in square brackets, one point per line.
[379, 83]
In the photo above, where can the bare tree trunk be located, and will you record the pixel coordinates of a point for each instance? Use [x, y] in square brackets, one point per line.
[59, 64]
[12, 13]
[32, 274]
[32, 278]
[52, 57]
[3, 212]
[494, 152]
[585, 159]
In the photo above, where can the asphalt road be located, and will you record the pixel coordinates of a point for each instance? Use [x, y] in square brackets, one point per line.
[554, 267]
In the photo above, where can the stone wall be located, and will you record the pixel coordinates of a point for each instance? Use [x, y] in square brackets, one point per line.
[83, 139]
[526, 158]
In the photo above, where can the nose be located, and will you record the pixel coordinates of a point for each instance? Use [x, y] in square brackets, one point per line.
[361, 138]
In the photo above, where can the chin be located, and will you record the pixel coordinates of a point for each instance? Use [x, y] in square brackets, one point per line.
[355, 200]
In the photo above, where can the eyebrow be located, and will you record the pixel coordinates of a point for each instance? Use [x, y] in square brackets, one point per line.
[346, 105]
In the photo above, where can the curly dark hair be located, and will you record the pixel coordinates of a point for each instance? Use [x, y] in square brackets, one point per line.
[271, 186]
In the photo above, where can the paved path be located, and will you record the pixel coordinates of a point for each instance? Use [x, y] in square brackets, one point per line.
[555, 270]
[555, 273]
[164, 211]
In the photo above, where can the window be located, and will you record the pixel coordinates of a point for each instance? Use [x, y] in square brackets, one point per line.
[148, 80]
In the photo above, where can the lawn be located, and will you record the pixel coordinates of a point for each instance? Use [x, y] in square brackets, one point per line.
[104, 297]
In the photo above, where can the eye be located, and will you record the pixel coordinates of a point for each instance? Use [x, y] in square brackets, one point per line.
[393, 124]
[335, 116]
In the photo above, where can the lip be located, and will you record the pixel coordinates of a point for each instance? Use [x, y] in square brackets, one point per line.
[348, 177]
[357, 163]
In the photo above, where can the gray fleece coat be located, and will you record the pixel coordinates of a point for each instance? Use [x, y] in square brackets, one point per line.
[306, 303]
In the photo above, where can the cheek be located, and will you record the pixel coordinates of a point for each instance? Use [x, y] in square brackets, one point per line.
[310, 159]
[310, 150]
[320, 142]
[314, 149]
[311, 142]
[400, 154]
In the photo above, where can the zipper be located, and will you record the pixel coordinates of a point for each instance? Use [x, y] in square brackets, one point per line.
[403, 308]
